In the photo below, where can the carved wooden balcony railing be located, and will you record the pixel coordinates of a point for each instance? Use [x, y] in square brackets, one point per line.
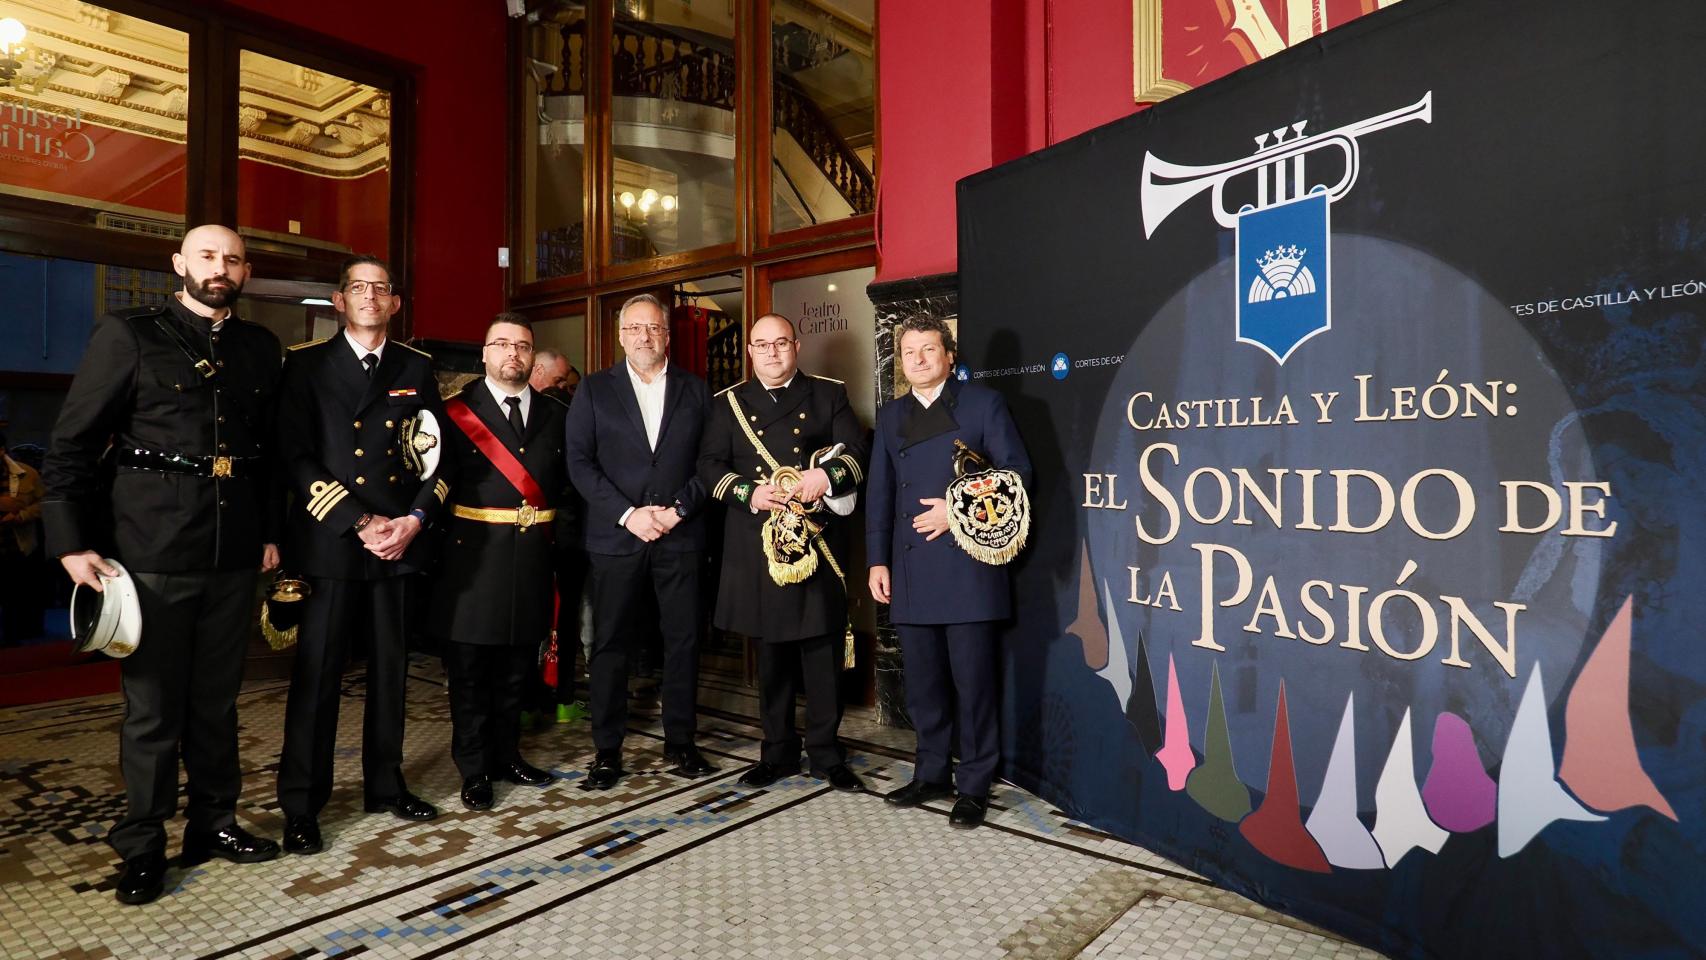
[653, 62]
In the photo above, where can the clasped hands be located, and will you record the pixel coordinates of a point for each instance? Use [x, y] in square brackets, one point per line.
[651, 522]
[814, 483]
[387, 539]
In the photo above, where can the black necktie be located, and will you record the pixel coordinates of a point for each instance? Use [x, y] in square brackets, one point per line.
[514, 404]
[370, 361]
[775, 394]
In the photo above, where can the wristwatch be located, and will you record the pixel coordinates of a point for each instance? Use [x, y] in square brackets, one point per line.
[680, 510]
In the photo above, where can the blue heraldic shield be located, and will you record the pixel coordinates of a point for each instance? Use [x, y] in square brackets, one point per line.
[1283, 262]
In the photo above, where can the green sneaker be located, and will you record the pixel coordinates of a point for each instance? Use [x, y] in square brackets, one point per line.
[570, 712]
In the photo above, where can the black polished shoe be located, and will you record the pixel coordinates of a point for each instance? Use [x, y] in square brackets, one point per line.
[143, 880]
[841, 778]
[688, 761]
[302, 835]
[605, 771]
[918, 793]
[405, 805]
[764, 774]
[477, 792]
[524, 774]
[968, 811]
[232, 843]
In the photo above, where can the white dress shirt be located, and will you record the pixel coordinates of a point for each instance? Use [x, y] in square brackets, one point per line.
[927, 397]
[500, 395]
[650, 396]
[361, 351]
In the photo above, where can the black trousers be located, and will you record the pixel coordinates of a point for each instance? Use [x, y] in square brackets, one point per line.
[783, 668]
[335, 613]
[619, 585]
[949, 670]
[180, 690]
[487, 682]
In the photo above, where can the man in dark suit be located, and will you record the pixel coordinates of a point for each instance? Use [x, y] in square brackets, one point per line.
[492, 596]
[633, 444]
[944, 604]
[184, 394]
[356, 510]
[799, 421]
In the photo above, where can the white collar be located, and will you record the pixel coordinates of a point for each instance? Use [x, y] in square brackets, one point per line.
[639, 381]
[361, 351]
[931, 397]
[498, 394]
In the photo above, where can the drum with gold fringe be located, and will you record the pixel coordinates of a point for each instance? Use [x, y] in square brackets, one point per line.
[788, 533]
[988, 511]
[281, 612]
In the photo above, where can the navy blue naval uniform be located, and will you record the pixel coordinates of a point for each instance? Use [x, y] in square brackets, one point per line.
[945, 604]
[338, 438]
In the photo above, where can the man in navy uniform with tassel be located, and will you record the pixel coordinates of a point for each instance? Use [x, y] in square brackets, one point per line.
[785, 452]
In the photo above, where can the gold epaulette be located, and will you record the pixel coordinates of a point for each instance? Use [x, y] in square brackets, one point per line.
[816, 376]
[727, 389]
[415, 349]
[310, 343]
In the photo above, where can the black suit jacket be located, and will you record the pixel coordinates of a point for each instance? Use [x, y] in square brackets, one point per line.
[136, 389]
[337, 436]
[614, 469]
[494, 579]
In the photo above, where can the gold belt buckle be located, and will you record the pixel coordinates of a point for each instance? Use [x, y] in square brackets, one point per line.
[525, 516]
[222, 466]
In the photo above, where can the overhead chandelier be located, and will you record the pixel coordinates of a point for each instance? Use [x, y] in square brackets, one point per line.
[647, 201]
[11, 47]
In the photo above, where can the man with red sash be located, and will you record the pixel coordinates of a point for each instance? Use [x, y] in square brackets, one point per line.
[492, 603]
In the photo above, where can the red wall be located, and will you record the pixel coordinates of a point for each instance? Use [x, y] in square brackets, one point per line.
[966, 84]
[353, 212]
[461, 172]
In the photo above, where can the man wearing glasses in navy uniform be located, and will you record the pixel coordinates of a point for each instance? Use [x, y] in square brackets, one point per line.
[355, 513]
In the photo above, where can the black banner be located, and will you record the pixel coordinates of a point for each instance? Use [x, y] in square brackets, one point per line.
[1366, 392]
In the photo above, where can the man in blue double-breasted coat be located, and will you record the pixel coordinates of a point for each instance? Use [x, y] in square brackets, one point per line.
[945, 604]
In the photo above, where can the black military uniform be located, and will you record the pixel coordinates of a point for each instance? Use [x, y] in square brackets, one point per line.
[804, 622]
[338, 436]
[186, 509]
[492, 597]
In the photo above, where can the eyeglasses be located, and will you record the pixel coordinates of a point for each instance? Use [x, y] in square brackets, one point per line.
[779, 345]
[650, 329]
[521, 347]
[356, 288]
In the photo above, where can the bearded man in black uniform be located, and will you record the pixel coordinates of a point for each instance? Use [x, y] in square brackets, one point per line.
[782, 442]
[493, 596]
[184, 393]
[356, 508]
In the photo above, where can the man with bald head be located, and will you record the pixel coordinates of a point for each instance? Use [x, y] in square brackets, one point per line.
[786, 448]
[184, 393]
[553, 374]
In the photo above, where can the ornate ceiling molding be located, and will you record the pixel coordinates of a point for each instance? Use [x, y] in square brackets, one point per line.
[88, 64]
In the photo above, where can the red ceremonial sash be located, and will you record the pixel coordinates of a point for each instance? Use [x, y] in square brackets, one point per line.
[488, 443]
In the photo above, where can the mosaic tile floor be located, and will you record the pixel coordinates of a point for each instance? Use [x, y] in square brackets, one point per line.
[659, 867]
